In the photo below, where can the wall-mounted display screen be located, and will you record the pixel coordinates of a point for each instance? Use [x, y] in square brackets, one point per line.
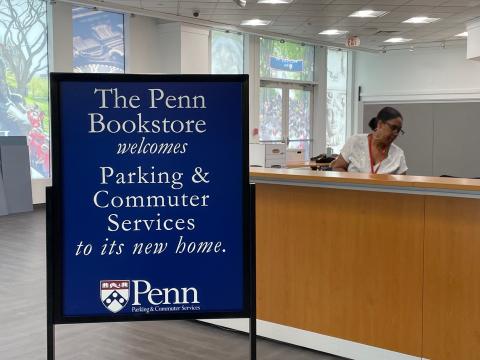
[98, 41]
[24, 109]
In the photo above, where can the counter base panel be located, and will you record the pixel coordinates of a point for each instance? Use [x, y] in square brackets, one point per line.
[347, 264]
[452, 279]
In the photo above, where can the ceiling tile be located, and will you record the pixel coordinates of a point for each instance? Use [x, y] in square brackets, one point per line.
[388, 2]
[472, 12]
[197, 5]
[461, 3]
[308, 17]
[379, 7]
[396, 17]
[283, 29]
[312, 7]
[324, 20]
[228, 5]
[160, 8]
[415, 9]
[235, 19]
[133, 3]
[290, 21]
[352, 7]
[426, 2]
[389, 25]
[449, 9]
[353, 21]
[461, 18]
[349, 2]
[316, 2]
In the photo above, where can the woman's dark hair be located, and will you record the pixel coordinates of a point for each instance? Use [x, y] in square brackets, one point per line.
[387, 113]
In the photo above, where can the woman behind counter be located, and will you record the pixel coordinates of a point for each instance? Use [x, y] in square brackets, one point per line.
[375, 152]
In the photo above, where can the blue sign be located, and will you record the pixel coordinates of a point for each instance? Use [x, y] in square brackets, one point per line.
[286, 64]
[151, 187]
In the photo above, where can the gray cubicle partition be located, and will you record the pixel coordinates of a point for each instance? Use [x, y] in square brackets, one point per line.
[15, 182]
[440, 138]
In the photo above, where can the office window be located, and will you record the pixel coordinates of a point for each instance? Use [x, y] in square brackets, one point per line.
[271, 104]
[299, 111]
[24, 107]
[337, 71]
[98, 41]
[226, 52]
[286, 93]
[286, 60]
[286, 114]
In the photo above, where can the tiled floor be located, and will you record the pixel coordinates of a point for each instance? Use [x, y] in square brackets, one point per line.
[23, 317]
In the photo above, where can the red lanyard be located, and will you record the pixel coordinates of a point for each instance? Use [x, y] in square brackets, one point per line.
[372, 163]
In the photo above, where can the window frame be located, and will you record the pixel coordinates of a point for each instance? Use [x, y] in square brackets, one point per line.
[260, 38]
[349, 126]
[286, 86]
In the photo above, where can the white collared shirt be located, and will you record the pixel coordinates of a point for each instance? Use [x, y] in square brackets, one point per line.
[356, 154]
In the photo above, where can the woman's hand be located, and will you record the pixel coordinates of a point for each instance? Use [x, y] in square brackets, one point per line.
[340, 164]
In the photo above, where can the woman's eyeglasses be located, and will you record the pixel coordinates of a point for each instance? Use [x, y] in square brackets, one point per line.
[396, 129]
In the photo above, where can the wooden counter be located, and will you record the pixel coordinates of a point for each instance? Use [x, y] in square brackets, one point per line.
[319, 178]
[387, 261]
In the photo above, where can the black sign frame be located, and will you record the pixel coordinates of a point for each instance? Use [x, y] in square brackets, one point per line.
[55, 276]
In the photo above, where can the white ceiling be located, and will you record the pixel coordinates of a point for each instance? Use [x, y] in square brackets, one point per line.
[306, 18]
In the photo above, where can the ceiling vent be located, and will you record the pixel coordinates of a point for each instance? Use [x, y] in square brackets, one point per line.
[386, 32]
[240, 3]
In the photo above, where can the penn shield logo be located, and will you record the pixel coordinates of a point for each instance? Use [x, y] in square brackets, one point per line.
[114, 294]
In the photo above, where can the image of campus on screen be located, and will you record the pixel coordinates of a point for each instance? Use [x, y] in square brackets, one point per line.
[98, 46]
[98, 41]
[24, 79]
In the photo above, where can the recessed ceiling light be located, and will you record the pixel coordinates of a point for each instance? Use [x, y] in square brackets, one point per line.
[421, 20]
[397, 40]
[464, 34]
[333, 32]
[368, 13]
[274, 1]
[255, 22]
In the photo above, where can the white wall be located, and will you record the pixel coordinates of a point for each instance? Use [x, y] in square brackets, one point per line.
[182, 49]
[251, 48]
[195, 56]
[473, 41]
[60, 47]
[169, 45]
[141, 54]
[319, 123]
[433, 73]
[424, 75]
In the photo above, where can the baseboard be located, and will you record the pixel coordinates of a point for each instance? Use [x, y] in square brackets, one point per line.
[314, 341]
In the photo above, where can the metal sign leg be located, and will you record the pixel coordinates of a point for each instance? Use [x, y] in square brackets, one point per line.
[253, 275]
[49, 232]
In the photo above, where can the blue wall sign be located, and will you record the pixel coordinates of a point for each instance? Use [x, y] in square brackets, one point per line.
[286, 64]
[151, 196]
